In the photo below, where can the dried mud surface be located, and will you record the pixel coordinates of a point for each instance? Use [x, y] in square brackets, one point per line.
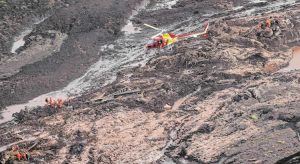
[215, 101]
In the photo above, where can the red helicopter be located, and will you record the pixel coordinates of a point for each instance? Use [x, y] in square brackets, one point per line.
[162, 40]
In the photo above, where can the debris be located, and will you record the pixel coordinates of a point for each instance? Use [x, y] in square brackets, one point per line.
[4, 148]
[126, 92]
[34, 145]
[281, 142]
[298, 135]
[167, 106]
[76, 149]
[110, 97]
[254, 117]
[258, 162]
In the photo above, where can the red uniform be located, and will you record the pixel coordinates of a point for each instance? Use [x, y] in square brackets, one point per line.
[60, 103]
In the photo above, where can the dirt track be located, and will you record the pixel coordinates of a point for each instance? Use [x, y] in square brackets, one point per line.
[215, 101]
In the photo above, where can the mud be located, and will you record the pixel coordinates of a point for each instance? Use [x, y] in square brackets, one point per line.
[68, 39]
[221, 100]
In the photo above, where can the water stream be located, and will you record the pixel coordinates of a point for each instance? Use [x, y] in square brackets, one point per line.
[38, 101]
[19, 40]
[129, 28]
[294, 64]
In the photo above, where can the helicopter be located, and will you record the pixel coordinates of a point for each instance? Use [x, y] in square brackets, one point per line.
[162, 40]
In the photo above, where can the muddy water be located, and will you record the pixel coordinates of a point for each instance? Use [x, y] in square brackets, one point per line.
[19, 41]
[295, 61]
[164, 4]
[129, 27]
[270, 7]
[38, 101]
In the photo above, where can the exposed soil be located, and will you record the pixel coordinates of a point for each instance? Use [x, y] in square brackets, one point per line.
[221, 100]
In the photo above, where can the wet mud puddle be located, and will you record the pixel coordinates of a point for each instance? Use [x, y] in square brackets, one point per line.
[129, 27]
[19, 40]
[294, 64]
[39, 101]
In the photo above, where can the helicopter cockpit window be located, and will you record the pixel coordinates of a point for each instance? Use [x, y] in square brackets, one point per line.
[160, 41]
[150, 41]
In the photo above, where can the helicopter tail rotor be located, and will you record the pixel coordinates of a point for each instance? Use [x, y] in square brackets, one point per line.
[196, 34]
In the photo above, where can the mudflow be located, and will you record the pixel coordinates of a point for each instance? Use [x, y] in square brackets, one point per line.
[227, 99]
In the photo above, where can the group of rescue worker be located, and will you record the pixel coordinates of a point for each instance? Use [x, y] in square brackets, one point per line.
[17, 154]
[58, 103]
[269, 28]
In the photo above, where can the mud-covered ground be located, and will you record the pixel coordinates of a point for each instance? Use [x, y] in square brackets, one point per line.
[63, 42]
[220, 100]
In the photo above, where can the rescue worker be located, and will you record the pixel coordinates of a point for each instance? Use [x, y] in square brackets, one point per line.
[60, 103]
[17, 154]
[262, 25]
[268, 28]
[49, 101]
[54, 103]
[268, 22]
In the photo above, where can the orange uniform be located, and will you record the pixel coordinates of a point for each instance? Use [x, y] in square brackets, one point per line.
[19, 154]
[54, 103]
[60, 103]
[51, 103]
[268, 22]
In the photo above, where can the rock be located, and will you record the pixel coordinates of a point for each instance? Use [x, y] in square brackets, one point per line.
[286, 117]
[298, 125]
[254, 117]
[168, 107]
[242, 126]
[76, 149]
[206, 128]
[39, 38]
[268, 33]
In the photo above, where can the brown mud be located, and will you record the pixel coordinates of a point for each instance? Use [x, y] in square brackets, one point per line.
[221, 100]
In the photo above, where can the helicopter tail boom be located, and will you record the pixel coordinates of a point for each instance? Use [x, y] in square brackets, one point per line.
[196, 34]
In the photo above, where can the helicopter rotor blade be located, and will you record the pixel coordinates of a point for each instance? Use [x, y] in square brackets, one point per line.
[156, 35]
[152, 27]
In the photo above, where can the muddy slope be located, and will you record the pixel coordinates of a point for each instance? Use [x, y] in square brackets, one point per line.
[78, 29]
[215, 101]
